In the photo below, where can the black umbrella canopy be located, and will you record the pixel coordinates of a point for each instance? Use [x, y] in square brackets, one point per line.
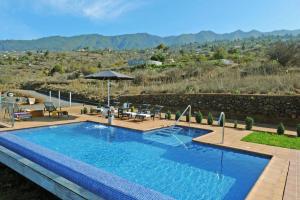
[108, 75]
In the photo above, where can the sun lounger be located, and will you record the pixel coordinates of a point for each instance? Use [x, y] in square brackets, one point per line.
[130, 114]
[22, 115]
[142, 116]
[50, 107]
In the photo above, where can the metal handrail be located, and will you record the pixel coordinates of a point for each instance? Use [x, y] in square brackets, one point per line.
[188, 107]
[222, 115]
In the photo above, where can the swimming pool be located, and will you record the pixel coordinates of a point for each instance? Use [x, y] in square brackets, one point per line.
[150, 165]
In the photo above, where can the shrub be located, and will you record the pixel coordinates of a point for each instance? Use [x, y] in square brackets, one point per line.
[235, 123]
[85, 110]
[220, 53]
[199, 117]
[298, 130]
[249, 121]
[158, 57]
[168, 115]
[88, 70]
[56, 69]
[91, 110]
[280, 129]
[283, 52]
[177, 115]
[210, 119]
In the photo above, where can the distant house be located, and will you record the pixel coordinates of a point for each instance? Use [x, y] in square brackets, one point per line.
[136, 62]
[227, 62]
[153, 62]
[204, 52]
[81, 50]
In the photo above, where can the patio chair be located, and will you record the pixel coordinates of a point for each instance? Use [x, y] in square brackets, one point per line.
[124, 111]
[156, 111]
[50, 107]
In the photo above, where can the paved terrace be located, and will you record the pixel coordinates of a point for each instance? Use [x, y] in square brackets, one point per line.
[280, 179]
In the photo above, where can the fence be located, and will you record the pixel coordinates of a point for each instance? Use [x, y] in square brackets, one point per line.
[7, 114]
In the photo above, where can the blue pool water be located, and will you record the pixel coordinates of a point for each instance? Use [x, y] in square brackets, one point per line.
[155, 160]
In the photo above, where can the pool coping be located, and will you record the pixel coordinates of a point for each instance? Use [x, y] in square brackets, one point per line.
[58, 185]
[102, 183]
[252, 151]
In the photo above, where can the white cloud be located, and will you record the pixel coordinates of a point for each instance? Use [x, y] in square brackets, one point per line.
[93, 9]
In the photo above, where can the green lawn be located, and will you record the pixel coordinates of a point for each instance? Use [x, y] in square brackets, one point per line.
[273, 140]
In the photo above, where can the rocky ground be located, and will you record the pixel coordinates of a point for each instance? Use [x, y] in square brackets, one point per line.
[15, 187]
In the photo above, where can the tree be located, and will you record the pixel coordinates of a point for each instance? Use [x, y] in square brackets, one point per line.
[161, 46]
[284, 52]
[220, 53]
[233, 51]
[46, 53]
[29, 53]
[181, 51]
[158, 57]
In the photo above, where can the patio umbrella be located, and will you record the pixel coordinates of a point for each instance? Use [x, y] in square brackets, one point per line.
[108, 75]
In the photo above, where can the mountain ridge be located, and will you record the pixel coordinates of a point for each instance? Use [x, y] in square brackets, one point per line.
[130, 41]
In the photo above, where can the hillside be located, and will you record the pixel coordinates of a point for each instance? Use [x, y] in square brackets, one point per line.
[129, 41]
[264, 65]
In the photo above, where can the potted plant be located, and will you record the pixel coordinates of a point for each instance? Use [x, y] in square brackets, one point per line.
[85, 110]
[168, 115]
[177, 116]
[249, 121]
[210, 119]
[235, 124]
[280, 129]
[199, 117]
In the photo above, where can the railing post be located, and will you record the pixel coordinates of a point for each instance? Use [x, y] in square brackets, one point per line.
[70, 97]
[59, 98]
[13, 115]
[222, 117]
[190, 116]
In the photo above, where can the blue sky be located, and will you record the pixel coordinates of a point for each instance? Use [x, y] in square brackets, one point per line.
[28, 19]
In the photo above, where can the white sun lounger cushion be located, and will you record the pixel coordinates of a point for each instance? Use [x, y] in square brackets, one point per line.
[144, 115]
[130, 113]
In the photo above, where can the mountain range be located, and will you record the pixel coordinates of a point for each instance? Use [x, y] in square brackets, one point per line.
[129, 41]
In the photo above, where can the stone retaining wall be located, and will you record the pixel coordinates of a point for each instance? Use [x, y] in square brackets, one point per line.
[263, 107]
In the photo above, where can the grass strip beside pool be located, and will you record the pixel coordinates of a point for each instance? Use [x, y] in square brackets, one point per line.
[273, 140]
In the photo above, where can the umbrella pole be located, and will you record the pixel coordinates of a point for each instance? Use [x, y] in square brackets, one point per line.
[108, 88]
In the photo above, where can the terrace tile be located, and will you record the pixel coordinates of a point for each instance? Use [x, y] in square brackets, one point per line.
[280, 179]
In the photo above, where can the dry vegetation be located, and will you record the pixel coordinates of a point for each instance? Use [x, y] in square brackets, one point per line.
[260, 66]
